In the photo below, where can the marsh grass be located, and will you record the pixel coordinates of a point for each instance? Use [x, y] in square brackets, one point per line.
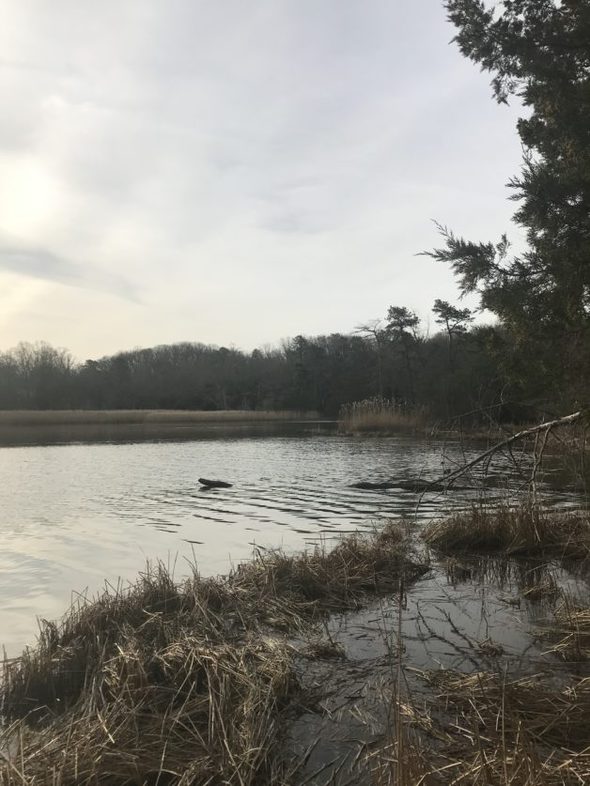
[320, 582]
[379, 415]
[545, 588]
[184, 682]
[527, 531]
[140, 417]
[490, 730]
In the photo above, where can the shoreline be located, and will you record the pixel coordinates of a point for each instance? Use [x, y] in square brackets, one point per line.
[40, 427]
[337, 660]
[32, 417]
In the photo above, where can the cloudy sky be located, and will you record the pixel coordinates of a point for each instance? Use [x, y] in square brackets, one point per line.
[235, 171]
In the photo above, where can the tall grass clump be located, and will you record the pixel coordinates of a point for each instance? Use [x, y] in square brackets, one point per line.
[526, 531]
[186, 682]
[319, 582]
[151, 685]
[379, 414]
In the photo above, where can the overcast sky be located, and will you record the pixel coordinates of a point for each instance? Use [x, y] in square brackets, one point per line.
[235, 171]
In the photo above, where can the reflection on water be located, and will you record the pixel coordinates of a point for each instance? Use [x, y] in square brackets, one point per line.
[472, 616]
[171, 430]
[73, 515]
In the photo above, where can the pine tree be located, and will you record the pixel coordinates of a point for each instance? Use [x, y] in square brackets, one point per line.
[539, 52]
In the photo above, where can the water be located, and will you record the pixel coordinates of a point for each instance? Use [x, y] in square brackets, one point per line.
[75, 515]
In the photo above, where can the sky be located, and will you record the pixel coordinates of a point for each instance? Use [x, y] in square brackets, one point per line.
[236, 172]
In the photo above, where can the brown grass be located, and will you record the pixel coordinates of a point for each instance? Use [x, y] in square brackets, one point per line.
[140, 417]
[378, 415]
[571, 631]
[320, 582]
[183, 683]
[486, 729]
[520, 532]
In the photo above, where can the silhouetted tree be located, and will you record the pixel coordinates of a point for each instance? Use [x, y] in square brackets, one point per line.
[402, 327]
[539, 51]
[454, 320]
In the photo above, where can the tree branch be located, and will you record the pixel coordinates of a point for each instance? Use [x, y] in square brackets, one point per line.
[547, 426]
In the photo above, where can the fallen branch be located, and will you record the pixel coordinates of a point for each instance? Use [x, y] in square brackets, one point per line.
[547, 426]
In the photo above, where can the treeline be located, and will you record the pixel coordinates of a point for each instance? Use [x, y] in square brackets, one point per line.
[534, 362]
[447, 374]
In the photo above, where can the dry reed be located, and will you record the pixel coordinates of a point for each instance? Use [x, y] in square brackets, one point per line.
[320, 582]
[520, 532]
[10, 418]
[571, 629]
[379, 415]
[493, 731]
[182, 683]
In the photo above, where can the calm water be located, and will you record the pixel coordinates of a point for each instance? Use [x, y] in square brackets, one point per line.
[75, 515]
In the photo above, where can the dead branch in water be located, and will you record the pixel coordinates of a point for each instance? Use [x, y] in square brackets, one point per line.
[546, 427]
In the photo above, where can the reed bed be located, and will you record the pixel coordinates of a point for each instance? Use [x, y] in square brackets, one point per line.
[183, 682]
[485, 729]
[141, 417]
[320, 582]
[379, 415]
[519, 532]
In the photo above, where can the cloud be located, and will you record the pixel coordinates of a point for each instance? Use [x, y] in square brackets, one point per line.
[41, 264]
[221, 157]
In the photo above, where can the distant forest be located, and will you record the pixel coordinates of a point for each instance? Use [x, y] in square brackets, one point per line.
[453, 372]
[534, 361]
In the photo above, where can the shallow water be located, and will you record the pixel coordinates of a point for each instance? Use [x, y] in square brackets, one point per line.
[470, 616]
[75, 515]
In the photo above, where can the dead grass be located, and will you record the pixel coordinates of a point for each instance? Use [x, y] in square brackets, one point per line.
[183, 683]
[378, 415]
[545, 588]
[486, 729]
[319, 582]
[570, 631]
[187, 711]
[140, 417]
[518, 532]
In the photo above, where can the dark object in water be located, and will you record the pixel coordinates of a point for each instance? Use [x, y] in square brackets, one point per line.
[406, 485]
[214, 484]
[421, 485]
[365, 484]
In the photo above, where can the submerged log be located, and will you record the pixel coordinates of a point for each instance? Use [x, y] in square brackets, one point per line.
[367, 486]
[416, 486]
[214, 484]
[421, 485]
[405, 485]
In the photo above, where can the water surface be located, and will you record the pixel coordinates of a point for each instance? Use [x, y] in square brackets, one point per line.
[75, 515]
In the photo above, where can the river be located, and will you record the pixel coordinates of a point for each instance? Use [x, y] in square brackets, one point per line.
[74, 515]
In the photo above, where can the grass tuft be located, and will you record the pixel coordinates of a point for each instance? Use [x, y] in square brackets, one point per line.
[520, 532]
[319, 582]
[379, 415]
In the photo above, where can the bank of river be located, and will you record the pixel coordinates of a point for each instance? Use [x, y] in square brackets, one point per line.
[75, 515]
[50, 427]
[357, 663]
